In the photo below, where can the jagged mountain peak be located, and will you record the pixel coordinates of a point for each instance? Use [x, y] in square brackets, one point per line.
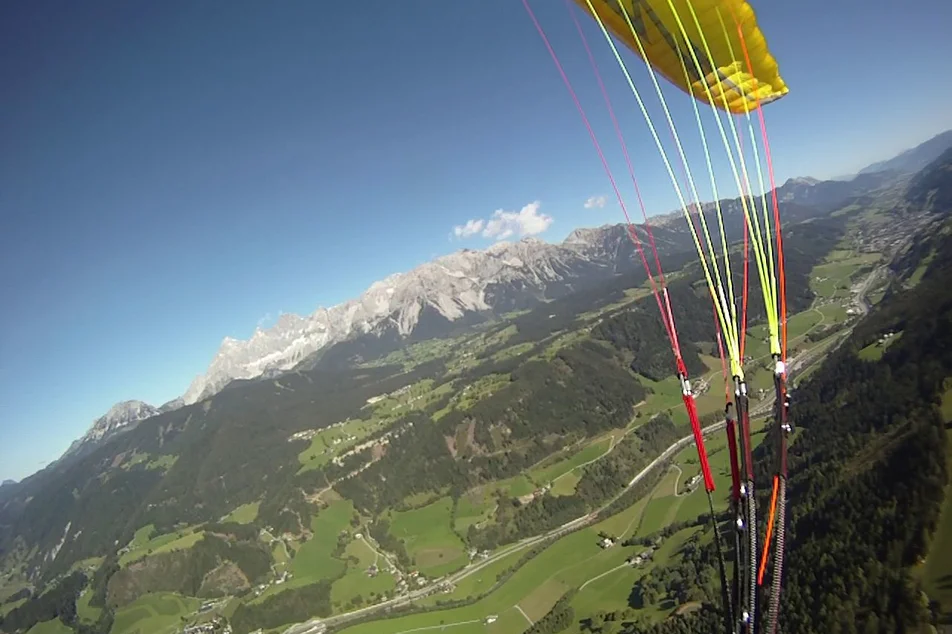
[125, 411]
[801, 180]
[448, 288]
[121, 416]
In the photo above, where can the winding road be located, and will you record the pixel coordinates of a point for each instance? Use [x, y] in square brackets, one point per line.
[314, 626]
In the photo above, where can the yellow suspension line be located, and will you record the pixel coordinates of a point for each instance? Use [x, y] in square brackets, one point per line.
[728, 325]
[760, 174]
[757, 238]
[732, 345]
[717, 200]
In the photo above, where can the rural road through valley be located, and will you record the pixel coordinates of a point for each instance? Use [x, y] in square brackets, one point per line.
[314, 626]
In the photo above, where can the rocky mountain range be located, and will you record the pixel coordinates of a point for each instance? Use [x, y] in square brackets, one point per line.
[464, 285]
[469, 286]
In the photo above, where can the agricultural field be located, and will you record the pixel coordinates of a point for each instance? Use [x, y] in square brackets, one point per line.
[335, 440]
[144, 544]
[281, 556]
[413, 355]
[357, 585]
[12, 605]
[573, 561]
[514, 487]
[53, 626]
[163, 462]
[9, 587]
[602, 577]
[478, 583]
[244, 514]
[474, 508]
[158, 613]
[134, 459]
[429, 539]
[874, 351]
[832, 280]
[631, 295]
[551, 473]
[384, 410]
[566, 484]
[87, 613]
[663, 395]
[314, 559]
[468, 396]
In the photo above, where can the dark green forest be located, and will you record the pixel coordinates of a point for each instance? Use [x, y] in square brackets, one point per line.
[185, 571]
[867, 476]
[290, 606]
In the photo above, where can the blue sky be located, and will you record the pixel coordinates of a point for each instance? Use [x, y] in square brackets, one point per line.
[175, 172]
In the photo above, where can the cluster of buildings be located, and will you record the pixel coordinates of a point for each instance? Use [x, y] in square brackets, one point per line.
[261, 587]
[883, 340]
[701, 386]
[641, 558]
[381, 441]
[395, 393]
[339, 459]
[525, 499]
[413, 578]
[314, 626]
[208, 606]
[478, 554]
[284, 576]
[217, 624]
[692, 483]
[446, 587]
[307, 434]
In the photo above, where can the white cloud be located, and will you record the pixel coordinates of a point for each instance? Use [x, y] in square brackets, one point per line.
[595, 202]
[503, 224]
[471, 228]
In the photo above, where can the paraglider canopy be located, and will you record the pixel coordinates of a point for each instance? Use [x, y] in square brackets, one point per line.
[691, 42]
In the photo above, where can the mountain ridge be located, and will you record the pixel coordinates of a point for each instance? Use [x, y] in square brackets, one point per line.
[472, 284]
[915, 158]
[120, 417]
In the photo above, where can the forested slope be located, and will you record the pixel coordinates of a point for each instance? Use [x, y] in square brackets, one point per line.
[867, 475]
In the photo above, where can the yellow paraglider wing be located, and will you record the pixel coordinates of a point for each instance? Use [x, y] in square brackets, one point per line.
[658, 28]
